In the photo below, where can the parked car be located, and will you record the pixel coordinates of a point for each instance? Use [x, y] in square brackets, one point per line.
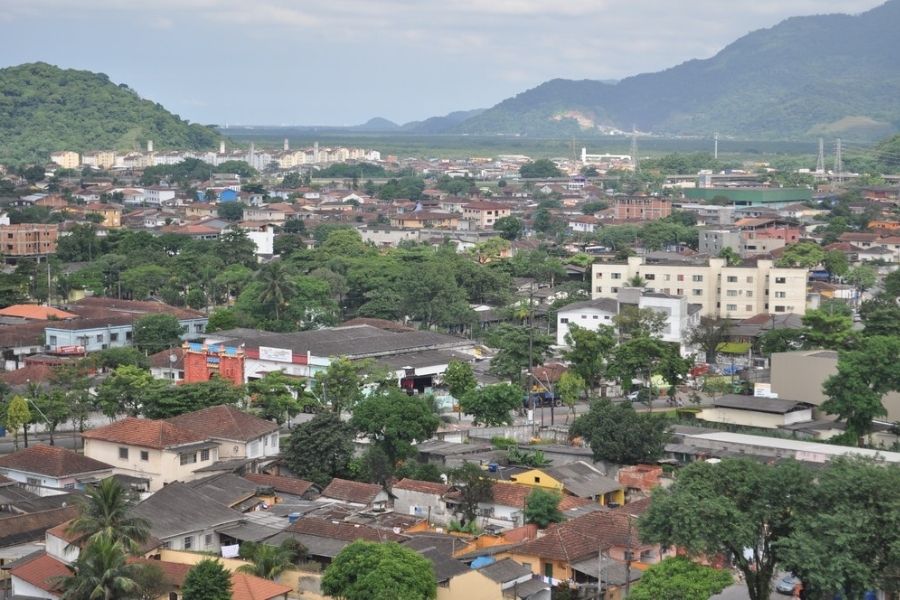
[540, 399]
[640, 395]
[787, 584]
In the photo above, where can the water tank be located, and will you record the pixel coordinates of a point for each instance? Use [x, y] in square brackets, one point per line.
[293, 517]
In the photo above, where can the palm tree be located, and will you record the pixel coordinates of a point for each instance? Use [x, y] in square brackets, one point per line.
[105, 512]
[637, 281]
[101, 572]
[276, 289]
[269, 562]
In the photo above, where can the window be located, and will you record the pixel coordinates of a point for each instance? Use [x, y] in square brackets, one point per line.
[189, 458]
[697, 292]
[667, 277]
[114, 337]
[613, 290]
[599, 275]
[779, 308]
[599, 289]
[749, 293]
[696, 277]
[563, 320]
[188, 542]
[69, 486]
[145, 456]
[204, 455]
[781, 280]
[781, 294]
[749, 307]
[731, 307]
[100, 338]
[649, 276]
[207, 541]
[123, 453]
[52, 340]
[731, 279]
[750, 279]
[681, 278]
[616, 275]
[679, 292]
[537, 479]
[128, 335]
[731, 293]
[33, 484]
[596, 317]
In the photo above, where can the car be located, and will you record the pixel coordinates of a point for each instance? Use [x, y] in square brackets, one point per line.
[640, 395]
[540, 399]
[787, 584]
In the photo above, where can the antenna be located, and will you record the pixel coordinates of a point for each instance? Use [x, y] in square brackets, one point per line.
[634, 150]
[838, 163]
[820, 161]
[716, 146]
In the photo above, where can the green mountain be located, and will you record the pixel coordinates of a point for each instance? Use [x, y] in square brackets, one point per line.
[44, 109]
[807, 76]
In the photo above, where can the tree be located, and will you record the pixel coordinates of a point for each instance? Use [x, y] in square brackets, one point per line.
[780, 340]
[732, 258]
[880, 316]
[393, 420]
[804, 255]
[320, 449]
[54, 408]
[162, 401]
[589, 352]
[340, 385]
[207, 580]
[157, 332]
[111, 358]
[18, 416]
[864, 376]
[738, 508]
[101, 573]
[827, 329]
[273, 396]
[459, 379]
[643, 357]
[492, 405]
[677, 578]
[855, 503]
[862, 277]
[543, 168]
[379, 571]
[571, 388]
[275, 290]
[267, 561]
[636, 322]
[892, 284]
[474, 488]
[105, 513]
[509, 228]
[128, 389]
[515, 346]
[618, 434]
[542, 508]
[708, 335]
[230, 211]
[835, 262]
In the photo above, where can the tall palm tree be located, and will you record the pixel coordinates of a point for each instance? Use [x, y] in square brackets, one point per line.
[101, 572]
[105, 512]
[276, 289]
[269, 562]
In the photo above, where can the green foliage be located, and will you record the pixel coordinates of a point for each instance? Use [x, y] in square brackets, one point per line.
[732, 258]
[571, 388]
[379, 571]
[492, 405]
[101, 571]
[470, 528]
[157, 332]
[459, 378]
[112, 358]
[739, 508]
[320, 449]
[589, 352]
[473, 486]
[45, 108]
[18, 416]
[207, 580]
[618, 434]
[393, 420]
[238, 167]
[804, 255]
[892, 284]
[542, 508]
[512, 344]
[780, 340]
[230, 211]
[881, 316]
[273, 396]
[540, 169]
[351, 170]
[269, 561]
[827, 329]
[105, 514]
[677, 578]
[340, 385]
[164, 401]
[509, 228]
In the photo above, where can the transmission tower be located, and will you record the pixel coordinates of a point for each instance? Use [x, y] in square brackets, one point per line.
[820, 162]
[716, 146]
[838, 163]
[634, 150]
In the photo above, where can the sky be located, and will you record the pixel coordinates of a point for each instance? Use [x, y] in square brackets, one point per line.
[341, 62]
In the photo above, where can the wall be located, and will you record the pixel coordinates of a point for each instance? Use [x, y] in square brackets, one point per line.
[406, 500]
[60, 548]
[161, 467]
[586, 318]
[470, 586]
[24, 589]
[746, 418]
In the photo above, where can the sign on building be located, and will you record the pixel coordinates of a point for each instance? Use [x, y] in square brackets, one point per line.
[276, 354]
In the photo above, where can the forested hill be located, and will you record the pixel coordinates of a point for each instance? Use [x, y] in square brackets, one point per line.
[44, 109]
[807, 76]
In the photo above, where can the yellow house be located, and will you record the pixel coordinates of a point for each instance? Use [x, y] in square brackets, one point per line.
[421, 220]
[575, 479]
[111, 213]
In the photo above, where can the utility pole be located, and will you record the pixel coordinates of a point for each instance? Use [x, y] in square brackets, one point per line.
[531, 356]
[838, 163]
[634, 150]
[820, 161]
[716, 146]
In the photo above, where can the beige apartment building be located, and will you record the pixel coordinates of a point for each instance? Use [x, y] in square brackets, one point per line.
[721, 291]
[66, 159]
[101, 159]
[485, 214]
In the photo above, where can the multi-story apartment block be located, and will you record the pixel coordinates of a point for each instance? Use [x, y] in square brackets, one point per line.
[722, 291]
[66, 159]
[485, 214]
[101, 159]
[28, 239]
[644, 208]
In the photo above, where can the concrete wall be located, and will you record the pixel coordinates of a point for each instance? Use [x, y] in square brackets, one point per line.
[24, 589]
[409, 502]
[161, 467]
[470, 586]
[750, 418]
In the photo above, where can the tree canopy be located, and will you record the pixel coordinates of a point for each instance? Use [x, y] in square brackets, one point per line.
[618, 434]
[379, 571]
[207, 580]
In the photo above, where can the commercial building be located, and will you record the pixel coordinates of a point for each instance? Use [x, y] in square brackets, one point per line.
[721, 291]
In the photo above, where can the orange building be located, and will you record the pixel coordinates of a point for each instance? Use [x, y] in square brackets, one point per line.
[28, 239]
[643, 208]
[203, 362]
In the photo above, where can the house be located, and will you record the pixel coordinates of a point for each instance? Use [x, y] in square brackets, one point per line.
[423, 499]
[230, 490]
[507, 572]
[50, 470]
[111, 213]
[485, 214]
[37, 576]
[759, 412]
[28, 239]
[324, 539]
[286, 488]
[23, 533]
[153, 451]
[368, 495]
[589, 314]
[584, 224]
[578, 479]
[182, 518]
[506, 508]
[168, 365]
[642, 208]
[239, 434]
[455, 580]
[35, 312]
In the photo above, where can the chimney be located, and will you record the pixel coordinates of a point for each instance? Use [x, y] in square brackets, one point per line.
[287, 145]
[149, 145]
[222, 147]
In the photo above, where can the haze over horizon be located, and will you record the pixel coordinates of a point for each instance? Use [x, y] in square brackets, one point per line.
[284, 62]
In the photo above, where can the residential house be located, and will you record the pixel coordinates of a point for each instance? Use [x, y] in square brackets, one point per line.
[455, 580]
[506, 509]
[584, 224]
[168, 365]
[111, 213]
[155, 452]
[578, 479]
[239, 434]
[324, 539]
[422, 219]
[182, 518]
[35, 312]
[589, 314]
[49, 470]
[642, 208]
[423, 499]
[357, 493]
[285, 488]
[66, 159]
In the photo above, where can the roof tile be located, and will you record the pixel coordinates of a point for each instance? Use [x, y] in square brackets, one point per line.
[224, 421]
[351, 491]
[148, 433]
[286, 485]
[52, 461]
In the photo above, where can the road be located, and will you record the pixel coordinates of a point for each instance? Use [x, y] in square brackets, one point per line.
[63, 440]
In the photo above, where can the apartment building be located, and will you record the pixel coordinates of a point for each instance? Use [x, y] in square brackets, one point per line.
[28, 239]
[721, 291]
[485, 214]
[66, 159]
[643, 208]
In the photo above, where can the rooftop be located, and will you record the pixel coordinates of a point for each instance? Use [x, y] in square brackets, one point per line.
[41, 570]
[355, 492]
[52, 461]
[224, 422]
[195, 511]
[778, 406]
[285, 485]
[35, 312]
[147, 433]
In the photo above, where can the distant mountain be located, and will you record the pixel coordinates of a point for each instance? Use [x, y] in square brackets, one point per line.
[807, 76]
[443, 124]
[376, 124]
[44, 109]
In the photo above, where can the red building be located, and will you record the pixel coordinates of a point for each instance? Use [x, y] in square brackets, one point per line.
[202, 362]
[642, 208]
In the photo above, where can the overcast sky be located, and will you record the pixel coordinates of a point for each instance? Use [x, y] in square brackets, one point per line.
[340, 62]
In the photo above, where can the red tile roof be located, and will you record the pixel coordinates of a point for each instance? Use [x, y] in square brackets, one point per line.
[147, 433]
[161, 360]
[52, 461]
[513, 494]
[424, 487]
[249, 587]
[31, 527]
[61, 531]
[43, 571]
[224, 421]
[35, 312]
[37, 373]
[287, 485]
[579, 538]
[348, 532]
[351, 491]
